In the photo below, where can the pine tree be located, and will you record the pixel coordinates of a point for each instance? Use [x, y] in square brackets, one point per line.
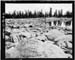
[46, 14]
[50, 12]
[35, 14]
[55, 13]
[61, 13]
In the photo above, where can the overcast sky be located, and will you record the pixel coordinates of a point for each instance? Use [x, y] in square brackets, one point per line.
[10, 7]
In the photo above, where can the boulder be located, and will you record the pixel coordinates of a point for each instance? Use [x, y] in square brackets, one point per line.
[30, 48]
[64, 38]
[53, 51]
[53, 34]
[12, 53]
[64, 41]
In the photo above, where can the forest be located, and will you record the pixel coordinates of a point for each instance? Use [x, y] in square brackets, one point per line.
[29, 14]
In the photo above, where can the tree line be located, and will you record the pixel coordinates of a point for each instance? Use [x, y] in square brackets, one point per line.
[29, 14]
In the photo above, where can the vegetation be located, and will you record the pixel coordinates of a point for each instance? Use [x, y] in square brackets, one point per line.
[29, 14]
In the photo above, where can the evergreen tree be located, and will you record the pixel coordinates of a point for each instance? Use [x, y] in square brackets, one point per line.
[46, 14]
[50, 12]
[13, 14]
[35, 14]
[60, 13]
[55, 13]
[68, 14]
[29, 14]
[40, 14]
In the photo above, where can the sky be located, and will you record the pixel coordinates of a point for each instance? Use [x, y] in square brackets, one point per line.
[10, 7]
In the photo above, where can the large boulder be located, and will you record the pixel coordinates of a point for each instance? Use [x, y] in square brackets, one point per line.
[64, 41]
[33, 48]
[37, 49]
[53, 51]
[53, 34]
[64, 38]
[30, 48]
[8, 29]
[12, 53]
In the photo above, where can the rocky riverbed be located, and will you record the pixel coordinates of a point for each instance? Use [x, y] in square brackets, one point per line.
[37, 41]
